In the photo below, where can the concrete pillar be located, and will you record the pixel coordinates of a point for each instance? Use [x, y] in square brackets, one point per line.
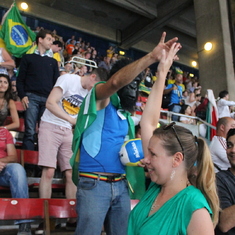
[216, 66]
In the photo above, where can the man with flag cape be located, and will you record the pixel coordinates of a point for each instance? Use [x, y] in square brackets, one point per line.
[15, 33]
[102, 125]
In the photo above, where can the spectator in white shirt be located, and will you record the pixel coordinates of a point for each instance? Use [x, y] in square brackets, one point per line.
[218, 143]
[223, 105]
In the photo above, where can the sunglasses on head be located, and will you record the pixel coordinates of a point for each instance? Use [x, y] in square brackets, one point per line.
[171, 126]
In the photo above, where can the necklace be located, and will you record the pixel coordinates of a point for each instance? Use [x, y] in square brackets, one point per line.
[155, 205]
[2, 103]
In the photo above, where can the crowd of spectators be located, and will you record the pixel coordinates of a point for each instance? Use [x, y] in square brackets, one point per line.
[182, 94]
[31, 83]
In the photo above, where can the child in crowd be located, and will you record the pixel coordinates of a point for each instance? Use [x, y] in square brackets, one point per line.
[187, 110]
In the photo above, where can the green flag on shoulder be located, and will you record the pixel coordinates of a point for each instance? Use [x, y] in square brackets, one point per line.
[16, 34]
[87, 114]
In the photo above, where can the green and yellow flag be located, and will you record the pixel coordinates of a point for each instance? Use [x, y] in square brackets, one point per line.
[2, 43]
[16, 34]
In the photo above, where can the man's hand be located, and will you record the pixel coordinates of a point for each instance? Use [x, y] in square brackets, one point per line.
[25, 102]
[2, 166]
[73, 121]
[156, 54]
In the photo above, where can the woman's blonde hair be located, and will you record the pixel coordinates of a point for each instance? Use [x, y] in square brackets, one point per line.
[206, 179]
[197, 158]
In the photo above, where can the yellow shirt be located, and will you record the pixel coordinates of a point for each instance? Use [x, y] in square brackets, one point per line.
[57, 56]
[109, 53]
[170, 81]
[154, 78]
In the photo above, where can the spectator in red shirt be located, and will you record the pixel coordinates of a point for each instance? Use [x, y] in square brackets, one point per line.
[13, 175]
[70, 47]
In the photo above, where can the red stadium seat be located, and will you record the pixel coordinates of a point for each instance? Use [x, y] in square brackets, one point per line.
[19, 106]
[32, 208]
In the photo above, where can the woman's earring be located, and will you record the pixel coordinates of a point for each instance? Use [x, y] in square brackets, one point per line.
[172, 174]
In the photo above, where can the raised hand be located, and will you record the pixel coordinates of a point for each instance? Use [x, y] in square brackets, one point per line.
[156, 54]
[167, 58]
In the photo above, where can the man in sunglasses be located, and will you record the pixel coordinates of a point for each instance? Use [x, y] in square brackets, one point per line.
[226, 190]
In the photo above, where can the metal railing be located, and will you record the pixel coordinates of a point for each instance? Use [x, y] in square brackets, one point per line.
[80, 60]
[199, 120]
[199, 129]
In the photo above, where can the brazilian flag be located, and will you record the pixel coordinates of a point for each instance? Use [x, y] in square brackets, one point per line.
[144, 89]
[2, 43]
[16, 34]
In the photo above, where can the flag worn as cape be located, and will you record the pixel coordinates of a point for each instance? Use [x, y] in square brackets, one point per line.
[87, 115]
[2, 43]
[16, 34]
[211, 115]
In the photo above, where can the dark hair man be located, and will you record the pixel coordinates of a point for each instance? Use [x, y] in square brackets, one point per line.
[226, 189]
[37, 76]
[56, 47]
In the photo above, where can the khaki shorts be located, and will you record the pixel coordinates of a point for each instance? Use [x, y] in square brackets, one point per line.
[55, 144]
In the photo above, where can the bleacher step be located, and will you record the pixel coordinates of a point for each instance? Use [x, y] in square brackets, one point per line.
[13, 229]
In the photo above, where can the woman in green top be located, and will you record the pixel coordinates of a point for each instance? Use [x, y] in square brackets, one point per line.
[172, 205]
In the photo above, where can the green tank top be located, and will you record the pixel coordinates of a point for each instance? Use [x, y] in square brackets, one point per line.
[172, 218]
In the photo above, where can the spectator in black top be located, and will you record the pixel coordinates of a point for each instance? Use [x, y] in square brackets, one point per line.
[226, 189]
[37, 75]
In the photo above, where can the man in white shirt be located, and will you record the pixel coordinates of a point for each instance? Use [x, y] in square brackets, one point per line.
[223, 105]
[218, 143]
[55, 132]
